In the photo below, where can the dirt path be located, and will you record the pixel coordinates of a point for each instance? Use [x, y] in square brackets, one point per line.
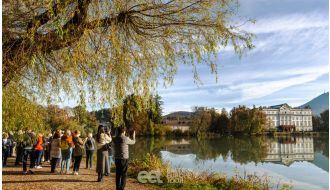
[12, 178]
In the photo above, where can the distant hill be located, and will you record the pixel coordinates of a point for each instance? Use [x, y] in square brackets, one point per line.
[318, 104]
[180, 114]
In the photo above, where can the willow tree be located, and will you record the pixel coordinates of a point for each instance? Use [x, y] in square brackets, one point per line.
[18, 112]
[112, 48]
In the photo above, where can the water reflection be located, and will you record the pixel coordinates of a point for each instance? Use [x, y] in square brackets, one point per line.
[243, 150]
[288, 150]
[302, 161]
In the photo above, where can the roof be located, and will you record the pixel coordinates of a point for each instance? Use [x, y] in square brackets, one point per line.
[279, 105]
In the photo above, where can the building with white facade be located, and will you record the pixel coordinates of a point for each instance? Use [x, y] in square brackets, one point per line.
[284, 117]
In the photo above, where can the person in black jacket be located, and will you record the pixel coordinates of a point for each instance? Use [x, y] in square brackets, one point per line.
[6, 144]
[29, 140]
[19, 149]
[90, 146]
[11, 138]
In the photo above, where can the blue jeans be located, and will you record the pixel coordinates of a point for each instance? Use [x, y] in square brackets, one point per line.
[38, 157]
[26, 154]
[5, 155]
[89, 158]
[66, 159]
[110, 160]
[69, 162]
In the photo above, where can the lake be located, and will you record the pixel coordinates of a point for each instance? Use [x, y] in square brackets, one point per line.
[300, 161]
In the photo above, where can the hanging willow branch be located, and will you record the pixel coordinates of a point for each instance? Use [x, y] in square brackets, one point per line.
[112, 48]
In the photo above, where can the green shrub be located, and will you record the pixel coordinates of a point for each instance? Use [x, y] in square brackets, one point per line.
[202, 180]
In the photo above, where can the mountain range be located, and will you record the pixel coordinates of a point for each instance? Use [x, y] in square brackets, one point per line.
[318, 104]
[179, 114]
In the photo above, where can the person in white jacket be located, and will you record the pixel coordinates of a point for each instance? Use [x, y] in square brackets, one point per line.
[102, 165]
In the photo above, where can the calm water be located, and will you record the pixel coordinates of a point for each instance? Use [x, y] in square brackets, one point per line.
[300, 161]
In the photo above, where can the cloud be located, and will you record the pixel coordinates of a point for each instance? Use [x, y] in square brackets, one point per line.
[288, 22]
[254, 90]
[287, 65]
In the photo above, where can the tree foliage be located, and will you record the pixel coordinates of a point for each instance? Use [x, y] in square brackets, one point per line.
[246, 120]
[155, 109]
[112, 48]
[103, 115]
[86, 119]
[139, 115]
[19, 112]
[201, 120]
[223, 123]
[241, 120]
[57, 118]
[321, 123]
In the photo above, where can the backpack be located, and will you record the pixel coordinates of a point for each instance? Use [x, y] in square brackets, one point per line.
[64, 144]
[29, 140]
[89, 144]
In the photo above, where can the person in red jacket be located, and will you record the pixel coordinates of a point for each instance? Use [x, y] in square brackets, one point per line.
[39, 150]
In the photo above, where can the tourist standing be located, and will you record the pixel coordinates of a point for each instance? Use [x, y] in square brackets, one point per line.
[11, 138]
[66, 145]
[121, 153]
[6, 144]
[102, 141]
[55, 150]
[19, 148]
[89, 147]
[109, 147]
[39, 150]
[29, 141]
[77, 151]
[48, 140]
[70, 141]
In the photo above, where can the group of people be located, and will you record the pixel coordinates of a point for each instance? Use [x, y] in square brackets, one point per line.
[64, 147]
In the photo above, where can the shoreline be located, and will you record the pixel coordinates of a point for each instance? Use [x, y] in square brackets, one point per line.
[309, 133]
[265, 134]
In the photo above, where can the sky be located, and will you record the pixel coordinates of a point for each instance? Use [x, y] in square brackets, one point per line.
[288, 65]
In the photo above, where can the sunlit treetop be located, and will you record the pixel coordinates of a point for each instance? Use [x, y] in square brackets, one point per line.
[112, 48]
